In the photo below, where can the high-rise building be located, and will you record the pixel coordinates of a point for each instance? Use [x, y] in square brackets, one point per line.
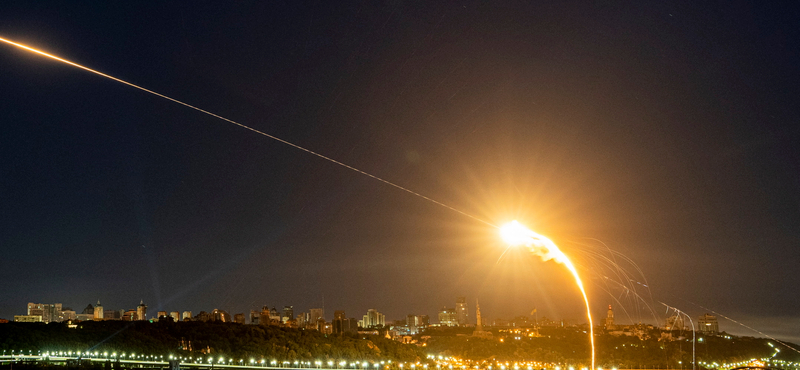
[316, 315]
[462, 314]
[263, 317]
[175, 315]
[49, 312]
[288, 314]
[187, 316]
[372, 319]
[324, 327]
[303, 319]
[341, 324]
[708, 324]
[416, 322]
[448, 317]
[98, 311]
[35, 309]
[141, 311]
[609, 324]
[424, 320]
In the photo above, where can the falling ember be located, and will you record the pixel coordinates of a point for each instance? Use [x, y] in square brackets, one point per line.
[515, 233]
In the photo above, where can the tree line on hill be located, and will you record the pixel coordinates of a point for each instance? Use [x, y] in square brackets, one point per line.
[568, 346]
[571, 346]
[220, 339]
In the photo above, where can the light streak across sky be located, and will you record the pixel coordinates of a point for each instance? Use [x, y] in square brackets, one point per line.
[62, 60]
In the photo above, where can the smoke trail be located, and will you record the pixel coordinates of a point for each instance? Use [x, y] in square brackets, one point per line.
[39, 52]
[516, 234]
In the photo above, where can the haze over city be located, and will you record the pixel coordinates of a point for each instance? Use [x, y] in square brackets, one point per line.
[666, 131]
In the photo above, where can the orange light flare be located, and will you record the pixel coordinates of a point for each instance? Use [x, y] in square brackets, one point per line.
[516, 234]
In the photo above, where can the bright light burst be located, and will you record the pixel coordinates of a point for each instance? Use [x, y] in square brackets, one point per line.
[516, 234]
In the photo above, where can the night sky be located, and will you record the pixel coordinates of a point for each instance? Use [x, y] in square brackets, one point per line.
[667, 130]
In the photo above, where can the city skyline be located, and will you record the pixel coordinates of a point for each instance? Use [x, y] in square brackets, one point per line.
[447, 317]
[658, 136]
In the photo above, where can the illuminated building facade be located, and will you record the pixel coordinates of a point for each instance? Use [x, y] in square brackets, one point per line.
[129, 315]
[448, 317]
[708, 324]
[288, 314]
[462, 313]
[220, 315]
[27, 318]
[263, 317]
[416, 323]
[609, 321]
[141, 311]
[303, 319]
[68, 314]
[274, 316]
[47, 312]
[372, 319]
[98, 311]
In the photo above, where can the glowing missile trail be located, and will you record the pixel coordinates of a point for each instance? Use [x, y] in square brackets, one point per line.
[516, 234]
[62, 60]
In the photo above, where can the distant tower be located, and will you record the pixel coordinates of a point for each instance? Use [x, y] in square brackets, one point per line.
[461, 311]
[610, 319]
[141, 311]
[98, 311]
[479, 324]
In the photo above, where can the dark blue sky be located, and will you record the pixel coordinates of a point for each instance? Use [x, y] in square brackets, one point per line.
[668, 130]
